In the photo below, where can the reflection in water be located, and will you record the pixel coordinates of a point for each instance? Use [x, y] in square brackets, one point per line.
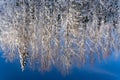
[59, 33]
[104, 71]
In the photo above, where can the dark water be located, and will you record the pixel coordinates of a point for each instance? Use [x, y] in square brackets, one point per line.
[106, 70]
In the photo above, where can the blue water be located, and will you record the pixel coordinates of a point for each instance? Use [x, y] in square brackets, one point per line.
[106, 70]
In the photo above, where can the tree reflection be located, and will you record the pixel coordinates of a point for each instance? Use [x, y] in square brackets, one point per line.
[60, 33]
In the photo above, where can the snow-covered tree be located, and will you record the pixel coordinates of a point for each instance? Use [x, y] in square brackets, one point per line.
[60, 33]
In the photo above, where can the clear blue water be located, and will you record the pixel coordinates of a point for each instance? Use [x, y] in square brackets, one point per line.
[106, 70]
